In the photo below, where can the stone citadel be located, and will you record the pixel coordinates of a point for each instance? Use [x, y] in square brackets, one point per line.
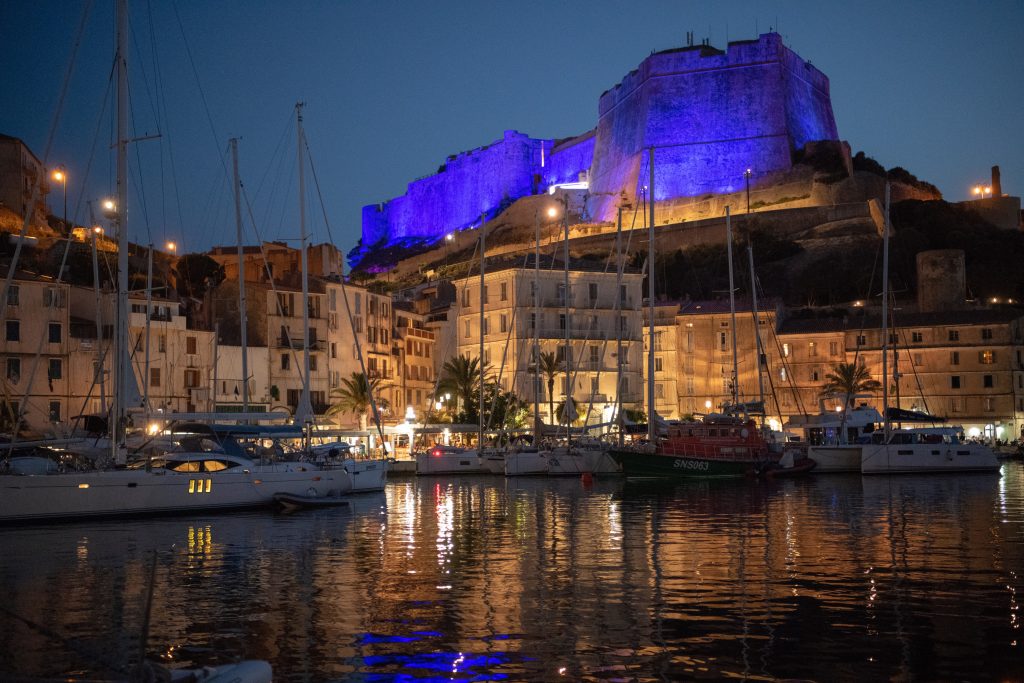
[711, 114]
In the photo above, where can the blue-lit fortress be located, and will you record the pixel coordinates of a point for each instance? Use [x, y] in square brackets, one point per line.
[710, 114]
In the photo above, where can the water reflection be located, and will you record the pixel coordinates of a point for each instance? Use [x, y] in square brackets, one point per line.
[534, 579]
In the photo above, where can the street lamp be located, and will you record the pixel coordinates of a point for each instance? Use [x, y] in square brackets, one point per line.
[172, 247]
[60, 174]
[746, 176]
[109, 208]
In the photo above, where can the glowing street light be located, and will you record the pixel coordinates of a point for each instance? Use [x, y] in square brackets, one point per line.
[172, 247]
[109, 208]
[60, 175]
[746, 176]
[981, 190]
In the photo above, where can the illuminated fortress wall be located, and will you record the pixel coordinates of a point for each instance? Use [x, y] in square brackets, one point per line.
[467, 185]
[710, 115]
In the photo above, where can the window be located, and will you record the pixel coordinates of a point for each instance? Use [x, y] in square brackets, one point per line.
[359, 303]
[622, 295]
[54, 333]
[893, 338]
[191, 379]
[955, 405]
[561, 321]
[833, 348]
[954, 335]
[465, 297]
[689, 341]
[487, 325]
[812, 349]
[12, 295]
[592, 287]
[815, 374]
[986, 381]
[785, 350]
[14, 369]
[594, 385]
[13, 330]
[989, 404]
[659, 391]
[54, 411]
[986, 333]
[657, 365]
[161, 343]
[689, 386]
[53, 298]
[862, 340]
[285, 361]
[916, 337]
[465, 328]
[293, 397]
[504, 291]
[722, 341]
[782, 374]
[657, 340]
[954, 358]
[154, 377]
[918, 359]
[55, 369]
[561, 294]
[312, 363]
[504, 321]
[987, 357]
[190, 345]
[954, 381]
[533, 321]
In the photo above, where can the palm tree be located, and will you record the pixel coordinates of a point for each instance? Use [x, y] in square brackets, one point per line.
[549, 366]
[460, 376]
[847, 380]
[355, 395]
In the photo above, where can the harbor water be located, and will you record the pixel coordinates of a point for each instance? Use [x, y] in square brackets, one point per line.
[494, 579]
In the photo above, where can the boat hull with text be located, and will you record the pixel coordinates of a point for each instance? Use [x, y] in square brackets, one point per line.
[641, 463]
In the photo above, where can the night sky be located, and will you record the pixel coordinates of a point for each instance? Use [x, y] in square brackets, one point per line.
[393, 88]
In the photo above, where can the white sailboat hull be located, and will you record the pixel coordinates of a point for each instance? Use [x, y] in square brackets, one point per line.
[526, 463]
[367, 475]
[925, 457]
[449, 463]
[140, 492]
[833, 459]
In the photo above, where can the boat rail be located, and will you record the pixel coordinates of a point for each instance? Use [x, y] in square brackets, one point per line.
[711, 451]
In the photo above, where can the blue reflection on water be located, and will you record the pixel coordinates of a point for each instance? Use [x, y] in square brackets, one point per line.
[456, 665]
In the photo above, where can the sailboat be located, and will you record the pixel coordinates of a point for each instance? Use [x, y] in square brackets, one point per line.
[919, 450]
[719, 446]
[176, 482]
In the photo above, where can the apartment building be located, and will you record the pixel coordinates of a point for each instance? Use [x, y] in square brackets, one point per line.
[520, 302]
[416, 345]
[20, 171]
[36, 383]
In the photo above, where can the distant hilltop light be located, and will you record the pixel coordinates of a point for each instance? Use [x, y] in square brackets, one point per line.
[711, 116]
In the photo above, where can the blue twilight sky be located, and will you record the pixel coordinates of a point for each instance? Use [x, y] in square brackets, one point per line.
[393, 87]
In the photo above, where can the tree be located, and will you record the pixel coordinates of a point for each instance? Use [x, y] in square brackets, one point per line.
[196, 273]
[549, 367]
[460, 376]
[849, 379]
[355, 396]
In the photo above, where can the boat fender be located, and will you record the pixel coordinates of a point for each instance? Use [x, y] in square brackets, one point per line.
[744, 433]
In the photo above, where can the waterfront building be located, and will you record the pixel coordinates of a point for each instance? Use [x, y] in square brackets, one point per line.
[592, 323]
[20, 170]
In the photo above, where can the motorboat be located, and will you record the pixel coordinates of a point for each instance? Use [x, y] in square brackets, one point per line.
[173, 483]
[833, 437]
[367, 474]
[719, 446]
[925, 449]
[449, 460]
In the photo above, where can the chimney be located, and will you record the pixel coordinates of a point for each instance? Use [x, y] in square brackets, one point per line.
[997, 185]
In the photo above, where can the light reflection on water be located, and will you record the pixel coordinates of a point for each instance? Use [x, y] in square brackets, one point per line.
[488, 579]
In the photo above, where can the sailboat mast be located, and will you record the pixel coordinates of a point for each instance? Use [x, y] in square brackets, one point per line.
[99, 321]
[732, 309]
[120, 409]
[757, 321]
[570, 408]
[242, 312]
[149, 323]
[885, 318]
[483, 320]
[618, 325]
[651, 432]
[304, 408]
[536, 325]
